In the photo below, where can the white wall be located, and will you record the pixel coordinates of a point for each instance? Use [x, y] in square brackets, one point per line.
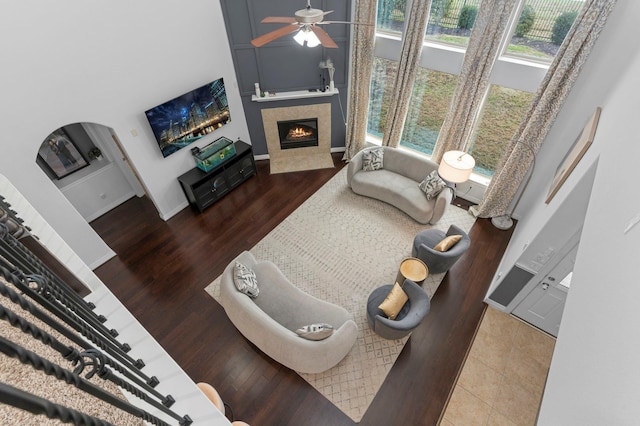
[595, 377]
[596, 353]
[105, 62]
[611, 56]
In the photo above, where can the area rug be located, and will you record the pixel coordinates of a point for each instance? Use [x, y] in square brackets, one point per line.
[339, 247]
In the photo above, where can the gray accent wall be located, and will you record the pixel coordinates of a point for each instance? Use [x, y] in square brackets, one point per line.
[283, 65]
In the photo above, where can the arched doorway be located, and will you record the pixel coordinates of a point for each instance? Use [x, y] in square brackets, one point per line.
[84, 161]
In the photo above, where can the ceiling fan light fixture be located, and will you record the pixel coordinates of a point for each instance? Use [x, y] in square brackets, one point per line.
[308, 36]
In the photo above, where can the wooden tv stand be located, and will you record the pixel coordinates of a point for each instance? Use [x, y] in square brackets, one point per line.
[205, 188]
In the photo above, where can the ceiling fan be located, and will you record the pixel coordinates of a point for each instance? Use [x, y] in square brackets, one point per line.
[305, 22]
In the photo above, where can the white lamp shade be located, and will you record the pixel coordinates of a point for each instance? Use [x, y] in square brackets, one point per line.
[300, 37]
[307, 35]
[456, 166]
[312, 39]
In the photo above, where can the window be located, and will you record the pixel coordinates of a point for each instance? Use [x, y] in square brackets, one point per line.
[541, 27]
[432, 95]
[391, 15]
[503, 110]
[533, 41]
[451, 22]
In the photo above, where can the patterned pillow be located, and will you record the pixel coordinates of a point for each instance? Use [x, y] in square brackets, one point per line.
[432, 185]
[315, 331]
[372, 159]
[245, 280]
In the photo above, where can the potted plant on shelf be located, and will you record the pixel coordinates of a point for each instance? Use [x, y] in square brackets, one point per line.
[95, 154]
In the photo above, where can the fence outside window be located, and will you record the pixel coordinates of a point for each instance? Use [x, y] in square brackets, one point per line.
[446, 13]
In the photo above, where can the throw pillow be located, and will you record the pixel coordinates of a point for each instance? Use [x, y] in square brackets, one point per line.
[372, 159]
[432, 185]
[245, 280]
[394, 302]
[447, 243]
[315, 331]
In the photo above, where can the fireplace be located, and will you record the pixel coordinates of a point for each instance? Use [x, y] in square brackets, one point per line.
[315, 155]
[299, 133]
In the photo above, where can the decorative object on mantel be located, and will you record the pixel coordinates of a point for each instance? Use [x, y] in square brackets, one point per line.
[328, 65]
[304, 21]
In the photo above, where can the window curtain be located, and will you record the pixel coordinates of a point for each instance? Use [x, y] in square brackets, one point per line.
[482, 51]
[360, 78]
[407, 69]
[563, 72]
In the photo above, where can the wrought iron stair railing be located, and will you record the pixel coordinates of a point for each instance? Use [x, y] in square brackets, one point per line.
[28, 285]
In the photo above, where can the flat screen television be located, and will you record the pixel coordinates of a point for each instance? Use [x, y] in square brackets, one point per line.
[185, 119]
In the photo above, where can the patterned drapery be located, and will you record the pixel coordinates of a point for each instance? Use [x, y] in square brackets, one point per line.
[482, 52]
[360, 78]
[551, 94]
[407, 69]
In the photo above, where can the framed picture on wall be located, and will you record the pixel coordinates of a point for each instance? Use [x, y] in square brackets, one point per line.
[577, 151]
[61, 155]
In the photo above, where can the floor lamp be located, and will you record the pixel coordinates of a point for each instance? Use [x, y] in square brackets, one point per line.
[505, 221]
[456, 166]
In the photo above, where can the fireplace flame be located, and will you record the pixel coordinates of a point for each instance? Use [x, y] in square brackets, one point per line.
[299, 132]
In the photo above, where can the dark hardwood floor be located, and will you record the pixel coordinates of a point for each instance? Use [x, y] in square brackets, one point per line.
[162, 268]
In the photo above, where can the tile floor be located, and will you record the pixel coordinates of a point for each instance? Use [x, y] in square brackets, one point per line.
[503, 378]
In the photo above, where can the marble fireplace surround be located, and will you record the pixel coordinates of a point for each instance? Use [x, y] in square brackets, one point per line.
[297, 159]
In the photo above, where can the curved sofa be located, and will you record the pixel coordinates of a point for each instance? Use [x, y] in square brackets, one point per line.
[269, 321]
[397, 183]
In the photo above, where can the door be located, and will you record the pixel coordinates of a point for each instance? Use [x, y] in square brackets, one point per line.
[544, 305]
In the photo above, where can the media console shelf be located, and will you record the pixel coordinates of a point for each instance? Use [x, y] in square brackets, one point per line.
[205, 188]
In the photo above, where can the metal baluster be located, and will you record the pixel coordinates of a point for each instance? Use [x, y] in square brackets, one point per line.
[31, 358]
[69, 318]
[24, 260]
[32, 264]
[23, 269]
[34, 404]
[96, 358]
[38, 313]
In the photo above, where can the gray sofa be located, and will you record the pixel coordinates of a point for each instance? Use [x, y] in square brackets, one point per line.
[269, 321]
[397, 183]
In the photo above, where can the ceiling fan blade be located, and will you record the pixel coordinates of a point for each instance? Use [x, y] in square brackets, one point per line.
[269, 37]
[327, 12]
[279, 20]
[343, 22]
[324, 38]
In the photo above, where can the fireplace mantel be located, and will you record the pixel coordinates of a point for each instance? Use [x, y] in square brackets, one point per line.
[306, 158]
[298, 94]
